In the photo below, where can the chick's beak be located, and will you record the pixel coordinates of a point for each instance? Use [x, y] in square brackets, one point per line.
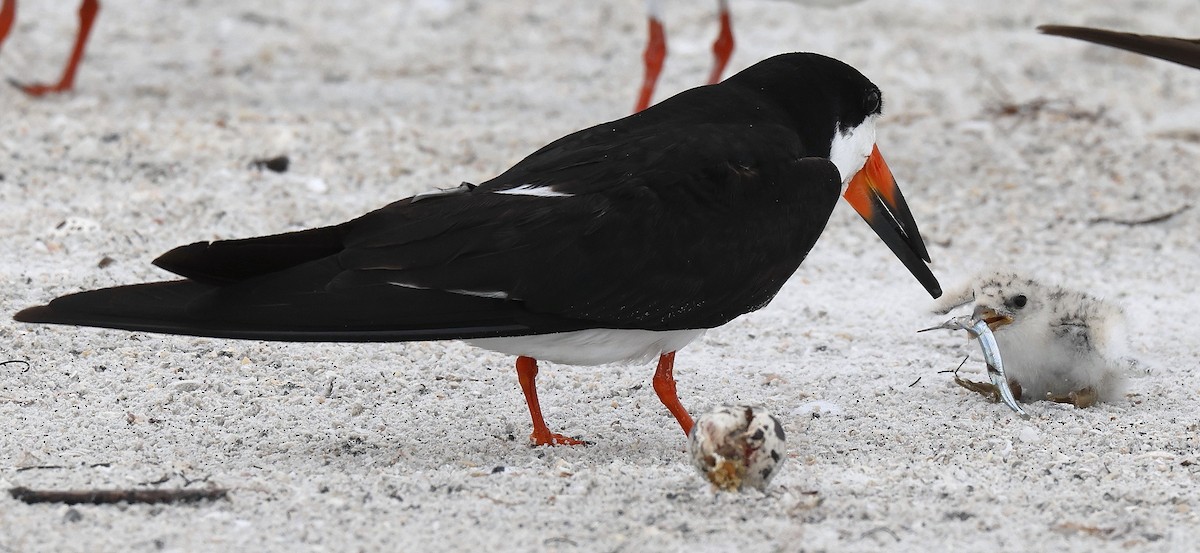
[993, 318]
[874, 194]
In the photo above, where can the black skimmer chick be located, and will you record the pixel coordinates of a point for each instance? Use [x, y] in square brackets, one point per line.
[1179, 50]
[620, 242]
[87, 15]
[722, 47]
[1057, 344]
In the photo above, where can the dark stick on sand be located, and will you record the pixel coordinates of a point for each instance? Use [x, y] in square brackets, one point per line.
[101, 497]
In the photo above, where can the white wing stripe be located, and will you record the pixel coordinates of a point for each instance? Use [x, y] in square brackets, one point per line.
[531, 190]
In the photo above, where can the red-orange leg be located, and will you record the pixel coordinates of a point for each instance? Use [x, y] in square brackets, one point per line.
[527, 374]
[664, 386]
[722, 47]
[8, 13]
[656, 52]
[87, 15]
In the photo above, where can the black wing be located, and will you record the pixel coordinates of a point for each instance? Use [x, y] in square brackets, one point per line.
[688, 230]
[669, 227]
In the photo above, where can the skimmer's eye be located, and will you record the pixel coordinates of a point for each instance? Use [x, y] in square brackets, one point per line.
[871, 102]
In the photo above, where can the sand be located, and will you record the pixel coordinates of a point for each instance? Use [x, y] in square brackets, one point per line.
[1015, 150]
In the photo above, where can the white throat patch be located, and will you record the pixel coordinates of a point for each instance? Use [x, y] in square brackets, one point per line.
[850, 149]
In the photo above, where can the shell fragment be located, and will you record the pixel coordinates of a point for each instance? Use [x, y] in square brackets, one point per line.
[736, 447]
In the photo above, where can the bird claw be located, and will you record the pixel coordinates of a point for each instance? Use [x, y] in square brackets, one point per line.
[35, 90]
[554, 438]
[987, 389]
[1081, 399]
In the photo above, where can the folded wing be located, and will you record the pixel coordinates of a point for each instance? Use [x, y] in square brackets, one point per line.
[659, 231]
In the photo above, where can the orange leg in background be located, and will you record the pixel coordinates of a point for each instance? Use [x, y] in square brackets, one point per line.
[664, 386]
[87, 15]
[8, 13]
[722, 47]
[656, 52]
[527, 373]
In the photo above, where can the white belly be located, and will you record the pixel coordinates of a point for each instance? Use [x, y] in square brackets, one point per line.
[593, 347]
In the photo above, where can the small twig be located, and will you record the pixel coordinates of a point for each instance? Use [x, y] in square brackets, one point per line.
[871, 533]
[15, 361]
[162, 480]
[189, 481]
[101, 497]
[1137, 222]
[1032, 108]
[915, 382]
[956, 369]
[40, 467]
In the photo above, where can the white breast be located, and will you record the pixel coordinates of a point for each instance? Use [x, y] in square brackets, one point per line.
[594, 346]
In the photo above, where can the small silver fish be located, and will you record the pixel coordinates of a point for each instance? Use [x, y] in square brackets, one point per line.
[979, 330]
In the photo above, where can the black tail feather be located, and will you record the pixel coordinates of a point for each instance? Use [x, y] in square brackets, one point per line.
[227, 261]
[383, 313]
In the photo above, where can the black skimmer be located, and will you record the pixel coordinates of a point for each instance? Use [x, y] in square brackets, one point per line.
[1179, 50]
[87, 15]
[1057, 344]
[620, 242]
[722, 47]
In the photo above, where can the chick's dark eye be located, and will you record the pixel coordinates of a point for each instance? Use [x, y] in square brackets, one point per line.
[1019, 301]
[871, 101]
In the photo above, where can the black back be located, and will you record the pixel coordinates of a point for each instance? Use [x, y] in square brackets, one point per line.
[685, 215]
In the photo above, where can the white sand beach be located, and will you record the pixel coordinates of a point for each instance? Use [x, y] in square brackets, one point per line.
[1014, 149]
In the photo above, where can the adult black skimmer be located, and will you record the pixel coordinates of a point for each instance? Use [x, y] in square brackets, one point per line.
[656, 44]
[619, 242]
[1179, 50]
[87, 15]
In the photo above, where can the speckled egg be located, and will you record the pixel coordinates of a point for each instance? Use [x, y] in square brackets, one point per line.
[736, 446]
